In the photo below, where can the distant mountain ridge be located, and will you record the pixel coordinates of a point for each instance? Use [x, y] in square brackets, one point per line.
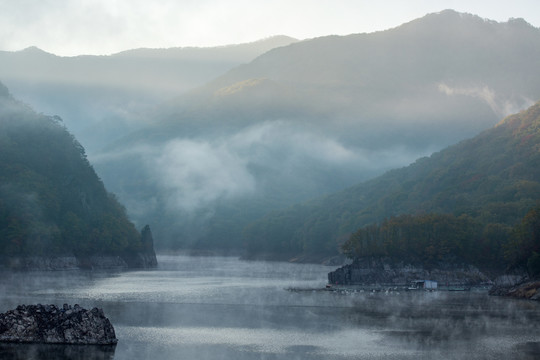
[433, 57]
[169, 70]
[103, 98]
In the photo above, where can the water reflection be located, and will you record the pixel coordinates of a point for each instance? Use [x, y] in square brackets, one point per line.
[56, 352]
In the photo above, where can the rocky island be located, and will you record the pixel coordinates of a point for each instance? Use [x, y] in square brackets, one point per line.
[56, 325]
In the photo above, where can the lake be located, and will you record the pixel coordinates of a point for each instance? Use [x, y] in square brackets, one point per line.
[226, 308]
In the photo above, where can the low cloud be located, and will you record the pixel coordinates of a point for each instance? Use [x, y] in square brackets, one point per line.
[197, 173]
[501, 107]
[193, 174]
[279, 159]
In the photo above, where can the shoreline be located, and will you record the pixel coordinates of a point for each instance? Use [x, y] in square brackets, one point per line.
[71, 262]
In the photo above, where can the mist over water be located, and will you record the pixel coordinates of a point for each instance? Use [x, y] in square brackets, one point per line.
[225, 308]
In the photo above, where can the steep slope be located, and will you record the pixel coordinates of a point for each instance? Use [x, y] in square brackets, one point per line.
[51, 201]
[318, 116]
[493, 178]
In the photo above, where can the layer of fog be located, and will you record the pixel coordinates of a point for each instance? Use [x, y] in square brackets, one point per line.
[195, 173]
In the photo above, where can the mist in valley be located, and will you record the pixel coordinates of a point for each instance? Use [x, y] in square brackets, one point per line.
[305, 120]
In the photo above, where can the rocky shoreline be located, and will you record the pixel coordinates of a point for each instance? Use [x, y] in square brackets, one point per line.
[55, 263]
[517, 284]
[385, 272]
[56, 325]
[527, 290]
[145, 258]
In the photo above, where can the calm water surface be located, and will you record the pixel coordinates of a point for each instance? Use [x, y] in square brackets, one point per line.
[224, 308]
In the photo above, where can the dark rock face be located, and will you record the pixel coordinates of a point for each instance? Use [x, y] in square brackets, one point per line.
[382, 271]
[526, 290]
[147, 257]
[517, 284]
[51, 324]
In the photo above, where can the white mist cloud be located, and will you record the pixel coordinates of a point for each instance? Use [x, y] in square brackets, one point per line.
[291, 141]
[197, 173]
[484, 93]
[501, 107]
[280, 135]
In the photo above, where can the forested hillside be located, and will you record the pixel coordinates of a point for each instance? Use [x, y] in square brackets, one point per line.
[51, 200]
[465, 200]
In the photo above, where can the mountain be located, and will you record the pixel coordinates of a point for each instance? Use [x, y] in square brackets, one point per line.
[487, 183]
[52, 203]
[102, 97]
[433, 78]
[318, 116]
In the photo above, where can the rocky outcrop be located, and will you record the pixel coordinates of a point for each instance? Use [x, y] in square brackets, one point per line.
[516, 284]
[51, 324]
[146, 258]
[384, 271]
[525, 290]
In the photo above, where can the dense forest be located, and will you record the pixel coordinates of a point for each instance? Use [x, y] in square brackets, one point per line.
[435, 238]
[466, 201]
[523, 245]
[51, 200]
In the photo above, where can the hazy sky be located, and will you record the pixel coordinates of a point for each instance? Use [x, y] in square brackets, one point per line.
[72, 27]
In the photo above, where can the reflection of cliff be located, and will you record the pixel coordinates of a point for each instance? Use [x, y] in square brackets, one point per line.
[383, 271]
[56, 352]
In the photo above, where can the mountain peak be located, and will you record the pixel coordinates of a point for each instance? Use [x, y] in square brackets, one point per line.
[455, 16]
[34, 50]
